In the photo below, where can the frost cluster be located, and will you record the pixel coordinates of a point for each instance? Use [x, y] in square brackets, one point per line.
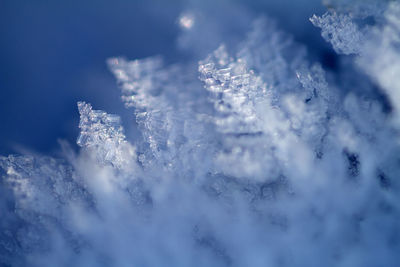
[249, 156]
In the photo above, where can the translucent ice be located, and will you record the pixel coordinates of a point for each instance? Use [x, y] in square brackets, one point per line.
[249, 156]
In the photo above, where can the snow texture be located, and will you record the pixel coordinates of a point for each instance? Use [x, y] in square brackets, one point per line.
[340, 31]
[249, 156]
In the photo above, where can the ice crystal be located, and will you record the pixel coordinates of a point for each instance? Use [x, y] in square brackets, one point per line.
[103, 133]
[340, 30]
[260, 158]
[376, 45]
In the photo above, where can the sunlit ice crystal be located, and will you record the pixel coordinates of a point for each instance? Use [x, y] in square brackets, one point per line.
[341, 31]
[103, 133]
[253, 155]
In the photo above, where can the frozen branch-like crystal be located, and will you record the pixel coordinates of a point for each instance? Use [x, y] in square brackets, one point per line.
[340, 31]
[273, 55]
[376, 45]
[145, 85]
[253, 156]
[164, 101]
[140, 80]
[235, 92]
[103, 133]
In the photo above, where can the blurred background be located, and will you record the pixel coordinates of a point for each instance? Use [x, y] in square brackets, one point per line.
[53, 54]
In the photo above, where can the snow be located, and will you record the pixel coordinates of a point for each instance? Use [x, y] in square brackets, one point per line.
[249, 156]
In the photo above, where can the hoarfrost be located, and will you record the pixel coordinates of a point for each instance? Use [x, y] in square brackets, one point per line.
[258, 159]
[104, 134]
[340, 31]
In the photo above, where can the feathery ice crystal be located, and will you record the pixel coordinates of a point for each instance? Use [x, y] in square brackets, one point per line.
[251, 156]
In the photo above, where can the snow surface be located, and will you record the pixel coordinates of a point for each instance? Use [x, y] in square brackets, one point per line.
[249, 156]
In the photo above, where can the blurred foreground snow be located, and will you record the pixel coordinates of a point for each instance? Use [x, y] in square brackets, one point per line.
[250, 156]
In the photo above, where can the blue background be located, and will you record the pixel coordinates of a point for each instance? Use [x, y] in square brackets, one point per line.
[53, 54]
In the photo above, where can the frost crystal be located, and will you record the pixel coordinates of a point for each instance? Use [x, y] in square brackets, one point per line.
[340, 31]
[249, 156]
[103, 133]
[234, 91]
[376, 44]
